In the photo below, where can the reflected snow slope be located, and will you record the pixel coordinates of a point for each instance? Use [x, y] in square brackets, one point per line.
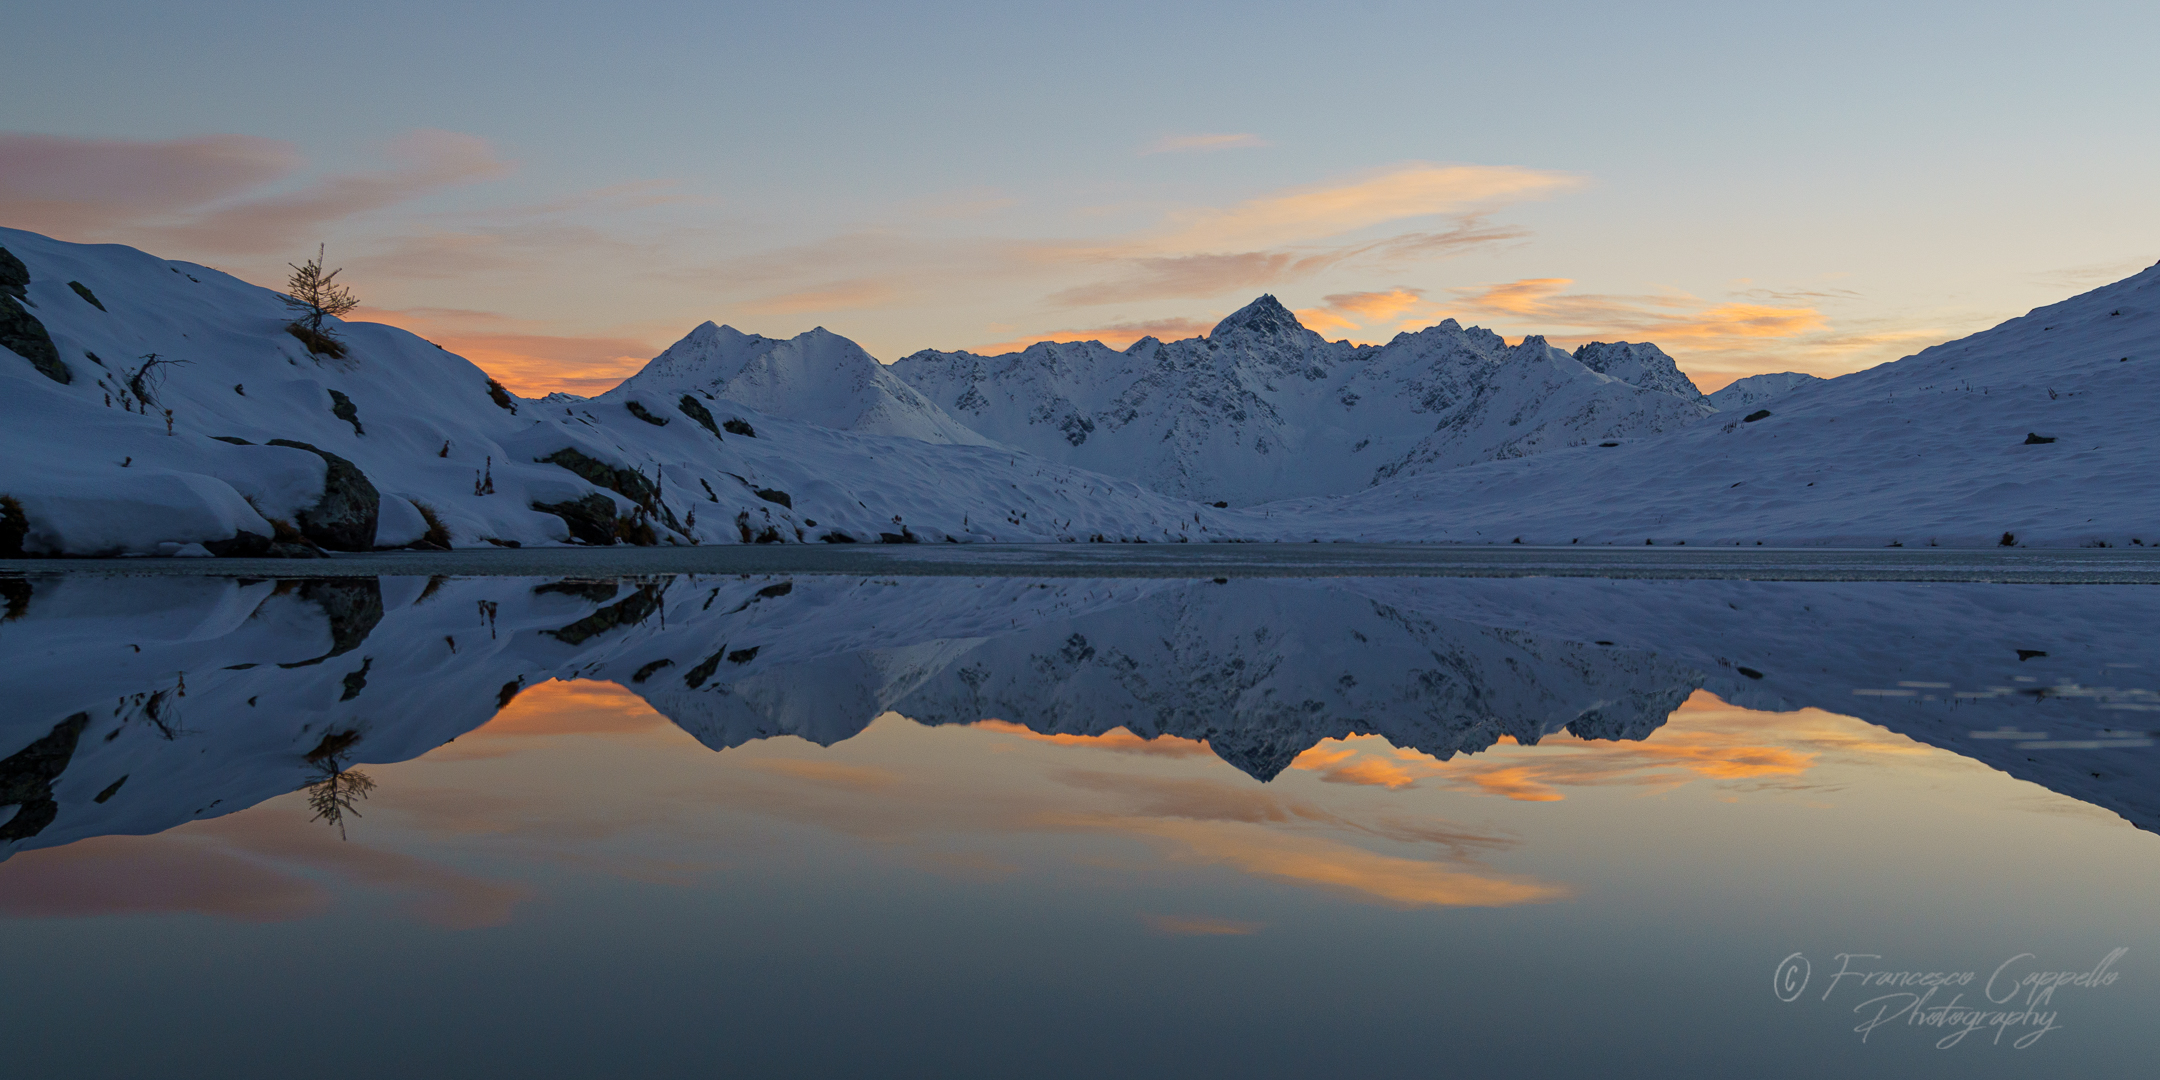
[139, 703]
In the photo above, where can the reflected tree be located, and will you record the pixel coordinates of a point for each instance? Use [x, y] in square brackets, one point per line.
[334, 791]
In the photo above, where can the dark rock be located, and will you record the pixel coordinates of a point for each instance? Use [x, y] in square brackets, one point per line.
[591, 519]
[740, 427]
[343, 408]
[233, 439]
[111, 790]
[638, 409]
[1749, 672]
[501, 397]
[647, 671]
[15, 592]
[2009, 539]
[696, 410]
[509, 692]
[1754, 416]
[345, 518]
[695, 677]
[20, 330]
[83, 291]
[14, 524]
[241, 545]
[743, 656]
[837, 537]
[356, 681]
[628, 483]
[782, 589]
[598, 591]
[353, 607]
[2028, 654]
[632, 610]
[2034, 438]
[26, 778]
[1222, 506]
[774, 495]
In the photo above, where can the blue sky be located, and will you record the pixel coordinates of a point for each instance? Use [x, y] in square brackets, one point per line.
[560, 190]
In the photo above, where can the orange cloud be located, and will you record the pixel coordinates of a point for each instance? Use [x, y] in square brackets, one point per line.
[1178, 144]
[1547, 300]
[1416, 189]
[1337, 867]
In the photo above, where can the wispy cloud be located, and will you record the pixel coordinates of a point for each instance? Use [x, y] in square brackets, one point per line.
[206, 194]
[91, 188]
[1182, 926]
[1161, 277]
[1414, 190]
[1185, 144]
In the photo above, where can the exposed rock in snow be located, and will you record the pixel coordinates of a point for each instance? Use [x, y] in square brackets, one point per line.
[1643, 365]
[1931, 449]
[1263, 408]
[1746, 393]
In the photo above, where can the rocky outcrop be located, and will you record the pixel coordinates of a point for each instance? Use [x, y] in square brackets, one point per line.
[345, 518]
[26, 779]
[21, 331]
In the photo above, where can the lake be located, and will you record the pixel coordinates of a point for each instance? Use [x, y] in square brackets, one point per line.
[1259, 817]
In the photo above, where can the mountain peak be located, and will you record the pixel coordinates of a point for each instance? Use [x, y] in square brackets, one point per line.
[1263, 317]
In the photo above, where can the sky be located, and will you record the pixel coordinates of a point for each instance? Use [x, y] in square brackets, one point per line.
[558, 191]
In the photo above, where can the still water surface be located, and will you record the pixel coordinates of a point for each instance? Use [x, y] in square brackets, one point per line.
[844, 826]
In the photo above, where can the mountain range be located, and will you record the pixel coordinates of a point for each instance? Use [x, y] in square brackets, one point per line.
[160, 407]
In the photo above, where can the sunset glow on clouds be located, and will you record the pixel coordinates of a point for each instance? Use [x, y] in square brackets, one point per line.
[1166, 181]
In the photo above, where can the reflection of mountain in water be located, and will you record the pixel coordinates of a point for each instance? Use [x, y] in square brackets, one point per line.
[139, 703]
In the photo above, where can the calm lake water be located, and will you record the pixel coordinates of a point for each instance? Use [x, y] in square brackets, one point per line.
[824, 825]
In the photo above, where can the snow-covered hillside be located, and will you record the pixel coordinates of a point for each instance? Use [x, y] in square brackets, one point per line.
[239, 440]
[1263, 408]
[818, 378]
[2034, 432]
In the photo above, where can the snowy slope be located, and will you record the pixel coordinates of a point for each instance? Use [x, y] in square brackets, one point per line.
[97, 470]
[1263, 408]
[1948, 446]
[819, 378]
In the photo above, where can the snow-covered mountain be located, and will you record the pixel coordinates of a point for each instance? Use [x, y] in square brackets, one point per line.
[1263, 408]
[136, 703]
[1755, 389]
[156, 406]
[2033, 432]
[818, 378]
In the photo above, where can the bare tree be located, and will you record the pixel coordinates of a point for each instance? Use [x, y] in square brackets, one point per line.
[315, 295]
